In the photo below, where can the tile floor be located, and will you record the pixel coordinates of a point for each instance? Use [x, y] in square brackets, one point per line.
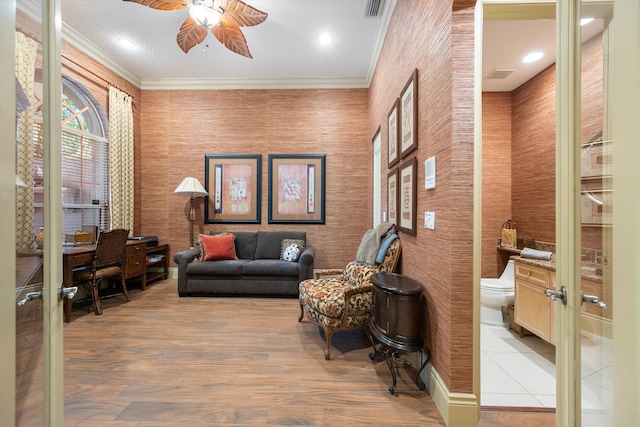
[521, 372]
[516, 371]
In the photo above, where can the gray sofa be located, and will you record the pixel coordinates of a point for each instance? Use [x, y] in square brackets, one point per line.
[258, 271]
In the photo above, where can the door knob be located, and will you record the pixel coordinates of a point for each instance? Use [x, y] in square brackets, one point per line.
[593, 299]
[67, 292]
[30, 296]
[560, 294]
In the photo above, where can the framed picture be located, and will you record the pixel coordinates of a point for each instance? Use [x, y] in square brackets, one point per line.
[296, 188]
[407, 175]
[234, 186]
[392, 134]
[596, 207]
[596, 159]
[409, 116]
[392, 196]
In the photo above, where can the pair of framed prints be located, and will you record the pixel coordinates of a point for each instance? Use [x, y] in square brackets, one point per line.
[296, 188]
[402, 140]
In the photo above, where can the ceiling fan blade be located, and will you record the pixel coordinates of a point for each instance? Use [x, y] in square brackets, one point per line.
[163, 4]
[190, 34]
[241, 14]
[232, 38]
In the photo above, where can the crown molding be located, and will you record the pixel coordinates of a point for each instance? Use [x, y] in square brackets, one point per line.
[387, 11]
[231, 84]
[80, 42]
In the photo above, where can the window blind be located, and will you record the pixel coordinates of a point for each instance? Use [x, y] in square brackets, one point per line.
[85, 180]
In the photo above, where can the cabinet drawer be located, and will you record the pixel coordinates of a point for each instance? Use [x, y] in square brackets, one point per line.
[135, 265]
[136, 260]
[534, 275]
[140, 248]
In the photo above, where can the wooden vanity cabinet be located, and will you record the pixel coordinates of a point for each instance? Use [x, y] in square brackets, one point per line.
[534, 311]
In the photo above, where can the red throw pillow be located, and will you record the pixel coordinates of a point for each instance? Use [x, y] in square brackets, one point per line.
[219, 246]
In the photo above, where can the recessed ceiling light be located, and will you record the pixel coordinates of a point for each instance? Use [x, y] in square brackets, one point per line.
[585, 21]
[325, 39]
[126, 43]
[532, 57]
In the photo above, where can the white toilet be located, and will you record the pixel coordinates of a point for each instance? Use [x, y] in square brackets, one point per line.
[495, 294]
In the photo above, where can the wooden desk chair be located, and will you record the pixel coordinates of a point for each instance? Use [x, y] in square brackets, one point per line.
[107, 263]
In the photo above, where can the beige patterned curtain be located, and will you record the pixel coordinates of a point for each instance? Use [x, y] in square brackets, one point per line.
[121, 158]
[26, 53]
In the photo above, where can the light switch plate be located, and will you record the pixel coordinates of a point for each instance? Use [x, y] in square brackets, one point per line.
[430, 220]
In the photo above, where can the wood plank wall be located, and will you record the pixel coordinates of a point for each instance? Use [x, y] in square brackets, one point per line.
[438, 41]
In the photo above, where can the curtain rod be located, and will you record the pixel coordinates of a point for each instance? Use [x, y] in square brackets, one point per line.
[96, 75]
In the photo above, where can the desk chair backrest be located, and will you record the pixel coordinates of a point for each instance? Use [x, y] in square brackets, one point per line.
[110, 249]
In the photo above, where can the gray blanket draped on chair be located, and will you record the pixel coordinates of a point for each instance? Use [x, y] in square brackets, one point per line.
[368, 249]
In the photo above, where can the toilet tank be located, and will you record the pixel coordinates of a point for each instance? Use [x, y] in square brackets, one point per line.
[509, 272]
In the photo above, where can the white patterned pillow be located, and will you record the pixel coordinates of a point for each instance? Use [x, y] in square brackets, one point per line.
[291, 249]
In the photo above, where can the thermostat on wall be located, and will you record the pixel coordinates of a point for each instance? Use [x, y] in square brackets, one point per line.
[430, 173]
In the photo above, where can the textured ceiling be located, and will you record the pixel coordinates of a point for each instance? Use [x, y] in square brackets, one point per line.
[285, 48]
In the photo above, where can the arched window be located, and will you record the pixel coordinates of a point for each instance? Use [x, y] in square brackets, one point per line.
[85, 161]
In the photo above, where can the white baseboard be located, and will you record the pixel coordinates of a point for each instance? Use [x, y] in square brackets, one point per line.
[457, 409]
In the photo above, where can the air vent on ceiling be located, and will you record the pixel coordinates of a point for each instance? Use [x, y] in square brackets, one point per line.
[373, 8]
[500, 73]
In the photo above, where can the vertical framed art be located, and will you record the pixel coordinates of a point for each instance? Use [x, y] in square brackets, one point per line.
[409, 116]
[297, 188]
[392, 134]
[392, 196]
[234, 186]
[407, 194]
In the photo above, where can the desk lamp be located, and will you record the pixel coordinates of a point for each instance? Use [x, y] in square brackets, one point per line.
[191, 187]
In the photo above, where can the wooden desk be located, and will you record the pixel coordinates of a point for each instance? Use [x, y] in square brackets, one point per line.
[135, 264]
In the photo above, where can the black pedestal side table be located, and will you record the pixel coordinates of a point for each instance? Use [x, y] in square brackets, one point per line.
[395, 320]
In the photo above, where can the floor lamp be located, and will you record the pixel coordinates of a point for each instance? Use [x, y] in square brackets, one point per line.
[191, 187]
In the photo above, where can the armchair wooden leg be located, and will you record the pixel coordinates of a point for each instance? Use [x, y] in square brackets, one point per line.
[301, 311]
[327, 334]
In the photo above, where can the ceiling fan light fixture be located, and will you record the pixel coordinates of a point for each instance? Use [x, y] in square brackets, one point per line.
[205, 16]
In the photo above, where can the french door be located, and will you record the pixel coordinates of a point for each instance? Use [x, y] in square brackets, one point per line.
[597, 298]
[597, 192]
[31, 356]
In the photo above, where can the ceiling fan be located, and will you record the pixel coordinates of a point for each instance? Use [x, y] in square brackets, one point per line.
[223, 17]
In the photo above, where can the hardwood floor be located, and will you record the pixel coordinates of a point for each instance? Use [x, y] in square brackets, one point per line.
[166, 361]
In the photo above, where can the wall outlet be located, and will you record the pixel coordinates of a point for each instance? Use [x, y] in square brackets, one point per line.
[430, 220]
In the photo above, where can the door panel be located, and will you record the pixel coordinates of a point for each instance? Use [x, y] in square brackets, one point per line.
[29, 261]
[33, 355]
[596, 208]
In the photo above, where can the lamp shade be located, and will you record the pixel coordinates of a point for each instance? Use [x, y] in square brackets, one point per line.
[191, 187]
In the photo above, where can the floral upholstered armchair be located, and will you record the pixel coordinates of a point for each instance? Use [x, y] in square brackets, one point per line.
[343, 302]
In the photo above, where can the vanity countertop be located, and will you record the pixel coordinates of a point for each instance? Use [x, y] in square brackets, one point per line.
[587, 272]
